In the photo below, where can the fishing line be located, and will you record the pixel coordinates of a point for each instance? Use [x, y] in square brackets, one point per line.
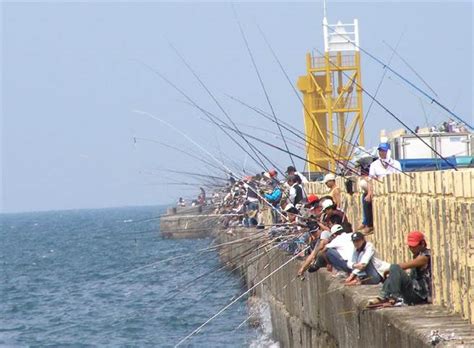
[394, 50]
[375, 95]
[164, 78]
[218, 104]
[304, 106]
[182, 151]
[232, 302]
[261, 81]
[397, 118]
[431, 98]
[212, 118]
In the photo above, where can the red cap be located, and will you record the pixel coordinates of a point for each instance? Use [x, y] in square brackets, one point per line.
[312, 198]
[272, 172]
[414, 238]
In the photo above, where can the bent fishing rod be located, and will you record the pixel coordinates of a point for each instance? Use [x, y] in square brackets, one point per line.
[373, 57]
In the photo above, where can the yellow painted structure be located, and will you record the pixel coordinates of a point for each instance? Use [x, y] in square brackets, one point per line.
[441, 205]
[333, 115]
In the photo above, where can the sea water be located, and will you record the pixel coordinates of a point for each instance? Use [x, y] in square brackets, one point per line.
[97, 277]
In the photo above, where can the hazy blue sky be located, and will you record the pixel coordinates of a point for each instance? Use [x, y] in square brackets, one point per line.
[70, 82]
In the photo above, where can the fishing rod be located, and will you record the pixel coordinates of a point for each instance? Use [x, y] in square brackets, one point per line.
[277, 147]
[191, 173]
[287, 77]
[248, 262]
[218, 104]
[187, 137]
[182, 288]
[298, 143]
[212, 120]
[431, 98]
[180, 150]
[375, 95]
[196, 253]
[394, 50]
[234, 301]
[261, 81]
[396, 117]
[289, 128]
[201, 148]
[303, 104]
[170, 83]
[75, 325]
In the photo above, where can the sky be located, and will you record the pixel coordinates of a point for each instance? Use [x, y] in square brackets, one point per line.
[74, 72]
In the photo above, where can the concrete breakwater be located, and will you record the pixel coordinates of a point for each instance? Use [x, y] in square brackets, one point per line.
[188, 223]
[321, 312]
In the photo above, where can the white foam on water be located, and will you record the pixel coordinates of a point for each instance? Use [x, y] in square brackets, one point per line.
[260, 310]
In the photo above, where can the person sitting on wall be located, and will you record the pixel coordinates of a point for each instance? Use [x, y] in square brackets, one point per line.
[340, 250]
[413, 288]
[329, 209]
[366, 267]
[334, 190]
[274, 199]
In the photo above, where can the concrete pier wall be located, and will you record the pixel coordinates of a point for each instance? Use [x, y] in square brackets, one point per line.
[320, 312]
[189, 223]
[439, 203]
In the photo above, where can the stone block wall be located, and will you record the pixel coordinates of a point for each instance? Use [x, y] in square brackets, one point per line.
[441, 205]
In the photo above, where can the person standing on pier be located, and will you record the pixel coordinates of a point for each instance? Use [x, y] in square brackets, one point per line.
[383, 166]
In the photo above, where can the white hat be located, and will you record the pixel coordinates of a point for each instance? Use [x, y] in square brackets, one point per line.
[329, 177]
[335, 229]
[326, 204]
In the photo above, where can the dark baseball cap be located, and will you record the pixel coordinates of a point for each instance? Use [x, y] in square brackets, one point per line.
[357, 236]
[290, 169]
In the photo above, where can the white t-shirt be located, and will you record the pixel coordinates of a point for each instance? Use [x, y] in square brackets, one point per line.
[343, 245]
[304, 180]
[378, 170]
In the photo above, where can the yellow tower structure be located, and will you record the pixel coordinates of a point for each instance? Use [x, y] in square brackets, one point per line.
[332, 98]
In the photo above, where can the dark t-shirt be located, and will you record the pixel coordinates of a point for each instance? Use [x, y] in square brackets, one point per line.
[299, 195]
[421, 278]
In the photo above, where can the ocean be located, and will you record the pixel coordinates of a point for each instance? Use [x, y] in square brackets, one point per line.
[94, 278]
